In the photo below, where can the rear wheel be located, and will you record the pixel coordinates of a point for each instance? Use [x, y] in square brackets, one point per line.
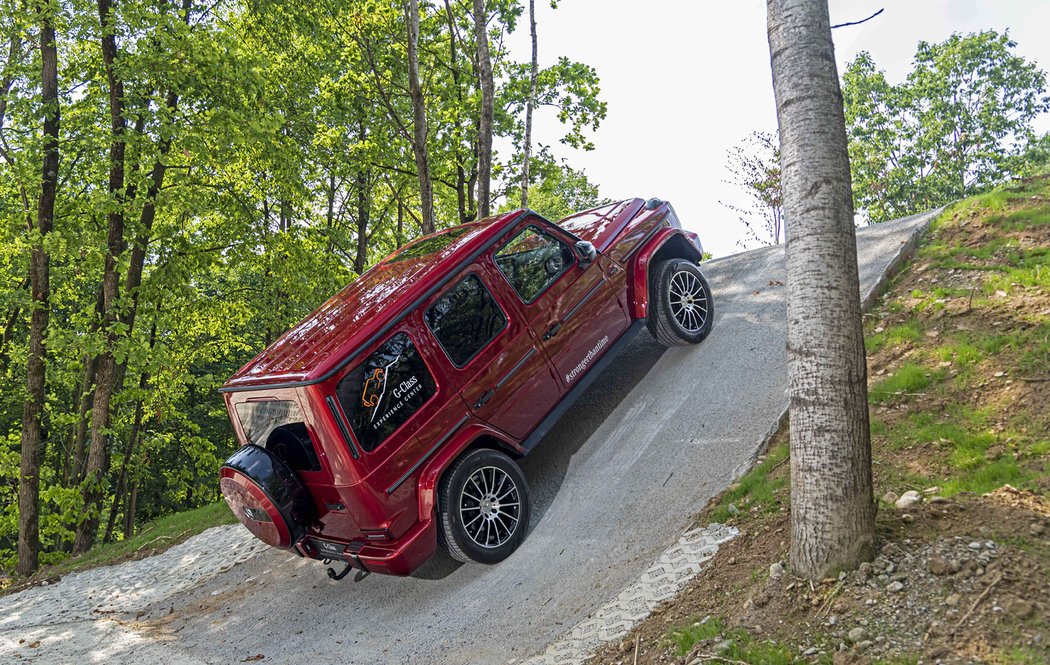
[484, 507]
[680, 306]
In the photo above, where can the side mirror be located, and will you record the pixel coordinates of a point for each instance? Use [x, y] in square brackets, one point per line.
[586, 252]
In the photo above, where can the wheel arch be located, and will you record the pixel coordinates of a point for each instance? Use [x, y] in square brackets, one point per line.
[667, 244]
[473, 436]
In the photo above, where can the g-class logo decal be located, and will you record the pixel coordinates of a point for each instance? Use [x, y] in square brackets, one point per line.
[375, 387]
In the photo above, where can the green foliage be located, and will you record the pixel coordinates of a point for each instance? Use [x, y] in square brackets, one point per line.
[287, 172]
[960, 123]
[756, 489]
[735, 645]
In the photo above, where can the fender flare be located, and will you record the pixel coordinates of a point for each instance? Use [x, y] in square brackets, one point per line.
[464, 438]
[638, 284]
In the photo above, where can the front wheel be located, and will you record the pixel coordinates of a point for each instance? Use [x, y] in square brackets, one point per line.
[680, 306]
[484, 507]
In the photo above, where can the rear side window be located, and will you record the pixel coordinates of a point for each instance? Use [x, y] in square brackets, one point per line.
[278, 426]
[465, 319]
[383, 392]
[532, 261]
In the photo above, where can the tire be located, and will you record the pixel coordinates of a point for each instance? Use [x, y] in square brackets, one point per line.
[473, 530]
[681, 309]
[266, 496]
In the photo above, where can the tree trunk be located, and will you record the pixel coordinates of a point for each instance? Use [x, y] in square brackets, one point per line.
[419, 119]
[832, 509]
[481, 36]
[40, 285]
[74, 471]
[129, 511]
[364, 205]
[529, 103]
[105, 378]
[400, 223]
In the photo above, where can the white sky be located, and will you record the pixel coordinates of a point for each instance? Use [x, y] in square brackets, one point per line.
[687, 80]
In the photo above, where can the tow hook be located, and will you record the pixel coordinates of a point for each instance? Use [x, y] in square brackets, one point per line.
[361, 574]
[338, 576]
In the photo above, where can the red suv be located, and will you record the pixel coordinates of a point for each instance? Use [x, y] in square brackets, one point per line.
[388, 420]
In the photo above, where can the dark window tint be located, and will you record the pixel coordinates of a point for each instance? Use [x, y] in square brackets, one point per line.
[532, 260]
[385, 390]
[465, 319]
[278, 426]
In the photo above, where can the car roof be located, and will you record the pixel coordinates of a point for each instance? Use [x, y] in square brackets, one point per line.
[330, 336]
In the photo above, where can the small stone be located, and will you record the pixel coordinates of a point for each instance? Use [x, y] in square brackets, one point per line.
[776, 570]
[864, 570]
[937, 565]
[908, 519]
[999, 374]
[909, 498]
[733, 510]
[732, 560]
[724, 645]
[1020, 608]
[857, 634]
[890, 498]
[974, 545]
[931, 490]
[952, 600]
[895, 586]
[812, 651]
[1036, 528]
[879, 329]
[864, 644]
[938, 499]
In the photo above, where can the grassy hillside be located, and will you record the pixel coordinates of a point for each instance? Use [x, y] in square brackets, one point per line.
[959, 378]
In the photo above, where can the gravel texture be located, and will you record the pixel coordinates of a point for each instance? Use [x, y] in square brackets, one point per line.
[655, 437]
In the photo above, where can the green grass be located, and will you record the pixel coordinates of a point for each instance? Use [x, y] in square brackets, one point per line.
[755, 488]
[908, 332]
[908, 380]
[160, 533]
[741, 646]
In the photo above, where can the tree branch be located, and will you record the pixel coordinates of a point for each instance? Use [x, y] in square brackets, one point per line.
[843, 25]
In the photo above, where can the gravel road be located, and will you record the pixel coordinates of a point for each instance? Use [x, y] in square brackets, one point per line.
[660, 433]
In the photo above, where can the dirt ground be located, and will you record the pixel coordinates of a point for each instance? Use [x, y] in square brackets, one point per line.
[959, 373]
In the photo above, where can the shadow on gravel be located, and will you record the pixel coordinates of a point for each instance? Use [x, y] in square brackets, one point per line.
[546, 466]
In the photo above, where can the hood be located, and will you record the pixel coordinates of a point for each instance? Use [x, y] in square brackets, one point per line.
[601, 226]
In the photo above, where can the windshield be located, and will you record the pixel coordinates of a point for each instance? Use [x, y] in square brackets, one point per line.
[431, 244]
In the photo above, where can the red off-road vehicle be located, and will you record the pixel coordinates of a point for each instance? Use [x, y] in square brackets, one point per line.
[388, 420]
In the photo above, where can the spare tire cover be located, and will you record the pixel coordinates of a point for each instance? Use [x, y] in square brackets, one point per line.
[266, 496]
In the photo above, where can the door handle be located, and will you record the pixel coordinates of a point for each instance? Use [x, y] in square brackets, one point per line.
[552, 331]
[484, 399]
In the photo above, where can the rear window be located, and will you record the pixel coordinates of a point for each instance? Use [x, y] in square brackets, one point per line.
[383, 392]
[465, 319]
[278, 426]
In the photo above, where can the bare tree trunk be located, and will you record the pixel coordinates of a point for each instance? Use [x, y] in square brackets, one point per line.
[529, 103]
[419, 119]
[832, 509]
[400, 223]
[364, 205]
[74, 471]
[481, 36]
[40, 285]
[105, 378]
[129, 511]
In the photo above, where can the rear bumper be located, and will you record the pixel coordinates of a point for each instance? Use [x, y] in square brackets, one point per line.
[401, 558]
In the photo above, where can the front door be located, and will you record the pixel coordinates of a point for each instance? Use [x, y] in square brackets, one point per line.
[493, 354]
[571, 306]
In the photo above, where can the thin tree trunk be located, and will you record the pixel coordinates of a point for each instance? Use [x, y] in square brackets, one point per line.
[129, 511]
[481, 36]
[40, 285]
[529, 103]
[364, 205]
[832, 509]
[9, 327]
[74, 471]
[419, 119]
[400, 223]
[105, 378]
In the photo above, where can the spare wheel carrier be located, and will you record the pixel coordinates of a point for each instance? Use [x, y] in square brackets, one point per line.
[266, 496]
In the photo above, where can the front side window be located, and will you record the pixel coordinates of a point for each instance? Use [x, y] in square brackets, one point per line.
[532, 261]
[383, 392]
[465, 319]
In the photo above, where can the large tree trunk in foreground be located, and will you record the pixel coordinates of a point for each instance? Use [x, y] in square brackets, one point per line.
[832, 509]
[481, 36]
[40, 284]
[529, 103]
[419, 119]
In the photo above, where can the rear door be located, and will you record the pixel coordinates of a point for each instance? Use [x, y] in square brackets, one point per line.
[493, 354]
[571, 306]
